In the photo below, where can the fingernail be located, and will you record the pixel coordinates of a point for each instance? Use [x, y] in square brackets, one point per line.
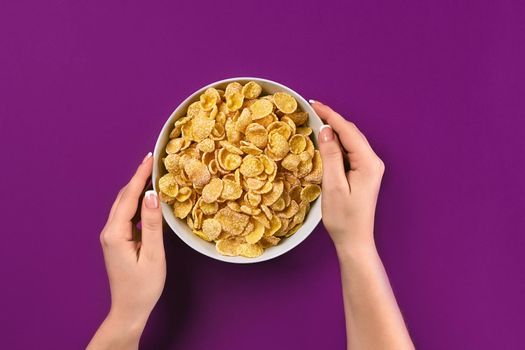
[151, 199]
[312, 101]
[326, 133]
[148, 156]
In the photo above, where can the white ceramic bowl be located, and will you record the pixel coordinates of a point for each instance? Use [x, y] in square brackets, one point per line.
[180, 227]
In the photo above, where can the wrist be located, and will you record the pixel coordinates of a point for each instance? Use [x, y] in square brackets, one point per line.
[129, 326]
[356, 250]
[355, 237]
[117, 332]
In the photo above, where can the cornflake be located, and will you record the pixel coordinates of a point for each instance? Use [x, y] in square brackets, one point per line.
[241, 168]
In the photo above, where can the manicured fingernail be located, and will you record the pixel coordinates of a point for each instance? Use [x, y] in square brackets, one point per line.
[312, 101]
[326, 133]
[151, 200]
[148, 156]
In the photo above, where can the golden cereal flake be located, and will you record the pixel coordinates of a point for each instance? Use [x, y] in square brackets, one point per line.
[285, 102]
[261, 108]
[202, 127]
[251, 90]
[231, 221]
[231, 190]
[168, 185]
[251, 166]
[299, 118]
[257, 135]
[212, 191]
[197, 172]
[182, 209]
[234, 101]
[251, 250]
[229, 246]
[270, 241]
[211, 228]
[232, 88]
[209, 208]
[310, 192]
[297, 144]
[206, 146]
[183, 194]
[257, 233]
[291, 162]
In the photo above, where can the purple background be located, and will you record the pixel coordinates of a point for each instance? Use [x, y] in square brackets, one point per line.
[437, 86]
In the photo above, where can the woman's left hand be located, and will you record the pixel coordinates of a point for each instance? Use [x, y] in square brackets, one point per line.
[136, 268]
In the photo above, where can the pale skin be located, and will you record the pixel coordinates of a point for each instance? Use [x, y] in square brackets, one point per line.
[137, 271]
[373, 318]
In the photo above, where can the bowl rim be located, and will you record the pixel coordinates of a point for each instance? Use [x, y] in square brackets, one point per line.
[267, 255]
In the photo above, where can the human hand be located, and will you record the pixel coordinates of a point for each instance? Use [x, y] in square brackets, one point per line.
[349, 198]
[373, 318]
[136, 269]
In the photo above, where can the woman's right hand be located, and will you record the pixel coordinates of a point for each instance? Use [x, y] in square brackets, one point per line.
[349, 198]
[373, 318]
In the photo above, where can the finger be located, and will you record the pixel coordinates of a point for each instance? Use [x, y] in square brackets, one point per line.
[350, 137]
[115, 204]
[364, 138]
[334, 177]
[128, 203]
[151, 219]
[108, 236]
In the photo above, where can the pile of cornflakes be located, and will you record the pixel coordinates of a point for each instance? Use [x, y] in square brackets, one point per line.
[241, 168]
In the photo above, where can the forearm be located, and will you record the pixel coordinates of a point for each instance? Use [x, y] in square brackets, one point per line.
[117, 332]
[373, 318]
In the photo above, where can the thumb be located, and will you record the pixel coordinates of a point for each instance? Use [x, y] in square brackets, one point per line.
[152, 246]
[334, 177]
